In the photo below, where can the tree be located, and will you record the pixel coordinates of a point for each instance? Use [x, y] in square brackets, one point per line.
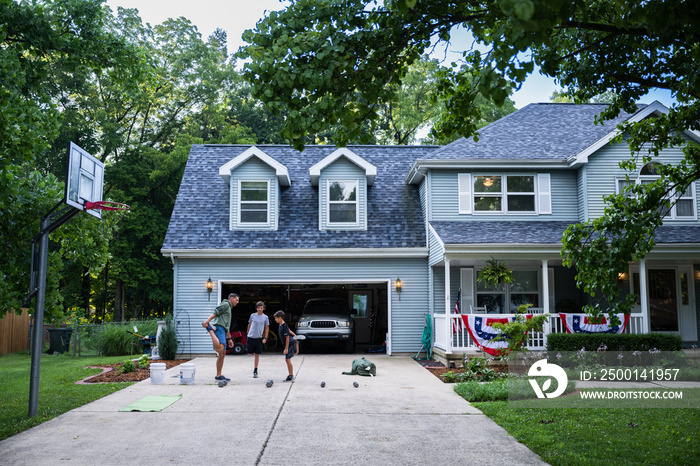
[37, 39]
[329, 62]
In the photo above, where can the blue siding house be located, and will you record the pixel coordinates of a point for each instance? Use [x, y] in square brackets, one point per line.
[273, 224]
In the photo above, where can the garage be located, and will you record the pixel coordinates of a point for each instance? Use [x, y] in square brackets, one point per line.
[368, 303]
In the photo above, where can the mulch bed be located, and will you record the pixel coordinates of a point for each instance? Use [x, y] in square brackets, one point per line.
[115, 375]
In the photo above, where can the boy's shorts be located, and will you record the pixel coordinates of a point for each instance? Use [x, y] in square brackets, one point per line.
[254, 346]
[291, 350]
[220, 333]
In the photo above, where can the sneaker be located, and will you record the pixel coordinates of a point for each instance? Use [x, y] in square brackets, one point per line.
[210, 328]
[221, 377]
[289, 378]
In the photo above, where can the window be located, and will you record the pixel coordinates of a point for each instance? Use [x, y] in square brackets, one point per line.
[254, 203]
[342, 202]
[684, 201]
[505, 298]
[509, 193]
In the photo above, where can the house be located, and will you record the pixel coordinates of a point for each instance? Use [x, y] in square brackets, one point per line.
[273, 224]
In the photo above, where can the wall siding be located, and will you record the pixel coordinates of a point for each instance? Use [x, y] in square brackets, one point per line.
[444, 199]
[254, 169]
[407, 314]
[603, 169]
[343, 169]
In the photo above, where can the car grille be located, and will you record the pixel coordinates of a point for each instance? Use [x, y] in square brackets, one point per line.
[323, 324]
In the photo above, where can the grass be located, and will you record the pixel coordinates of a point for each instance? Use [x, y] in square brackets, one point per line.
[596, 436]
[58, 392]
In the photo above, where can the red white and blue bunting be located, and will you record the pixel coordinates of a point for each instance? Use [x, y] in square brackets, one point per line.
[481, 330]
[582, 323]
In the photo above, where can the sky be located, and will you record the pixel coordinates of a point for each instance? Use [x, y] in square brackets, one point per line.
[235, 16]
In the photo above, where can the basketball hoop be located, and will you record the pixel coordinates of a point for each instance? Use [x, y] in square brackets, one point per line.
[106, 205]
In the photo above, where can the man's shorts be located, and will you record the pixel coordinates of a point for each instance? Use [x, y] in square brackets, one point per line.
[220, 333]
[254, 346]
[291, 350]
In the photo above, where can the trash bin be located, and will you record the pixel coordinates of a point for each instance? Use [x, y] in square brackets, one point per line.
[59, 340]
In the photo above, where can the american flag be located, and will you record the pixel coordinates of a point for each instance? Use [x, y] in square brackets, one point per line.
[457, 326]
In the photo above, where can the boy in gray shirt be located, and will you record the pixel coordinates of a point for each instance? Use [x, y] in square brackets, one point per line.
[258, 328]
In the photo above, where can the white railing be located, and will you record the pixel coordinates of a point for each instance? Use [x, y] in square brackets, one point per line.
[461, 341]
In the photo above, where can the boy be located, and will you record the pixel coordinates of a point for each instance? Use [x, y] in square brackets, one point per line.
[290, 344]
[219, 331]
[258, 328]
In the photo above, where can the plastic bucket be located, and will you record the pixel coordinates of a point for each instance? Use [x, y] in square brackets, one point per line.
[158, 373]
[187, 374]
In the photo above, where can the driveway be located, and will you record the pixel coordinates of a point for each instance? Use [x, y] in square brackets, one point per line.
[404, 415]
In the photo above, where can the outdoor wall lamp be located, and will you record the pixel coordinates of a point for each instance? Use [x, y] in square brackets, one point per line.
[398, 286]
[210, 287]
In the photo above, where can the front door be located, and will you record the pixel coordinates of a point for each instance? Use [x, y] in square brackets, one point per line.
[663, 300]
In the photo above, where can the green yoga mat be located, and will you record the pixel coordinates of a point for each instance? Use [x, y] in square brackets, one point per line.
[152, 403]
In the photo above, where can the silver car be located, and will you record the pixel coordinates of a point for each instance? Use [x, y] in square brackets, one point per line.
[327, 319]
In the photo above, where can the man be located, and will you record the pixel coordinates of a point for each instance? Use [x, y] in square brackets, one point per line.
[220, 331]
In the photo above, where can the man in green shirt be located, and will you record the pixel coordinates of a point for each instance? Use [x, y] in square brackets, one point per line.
[220, 331]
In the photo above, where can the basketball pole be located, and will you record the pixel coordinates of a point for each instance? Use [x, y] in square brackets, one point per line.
[38, 335]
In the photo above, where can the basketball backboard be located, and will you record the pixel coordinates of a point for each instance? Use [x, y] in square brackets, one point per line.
[84, 179]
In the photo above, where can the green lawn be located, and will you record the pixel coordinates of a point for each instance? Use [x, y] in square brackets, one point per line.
[600, 436]
[58, 392]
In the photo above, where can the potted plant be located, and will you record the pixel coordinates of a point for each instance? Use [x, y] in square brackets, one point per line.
[495, 273]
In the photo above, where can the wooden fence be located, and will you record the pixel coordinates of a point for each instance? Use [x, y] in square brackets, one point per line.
[14, 329]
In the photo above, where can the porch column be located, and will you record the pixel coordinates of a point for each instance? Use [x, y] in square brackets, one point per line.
[643, 302]
[448, 320]
[545, 286]
[546, 329]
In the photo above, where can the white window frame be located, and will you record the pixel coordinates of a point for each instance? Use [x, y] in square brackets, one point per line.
[241, 223]
[504, 193]
[672, 215]
[330, 223]
[505, 290]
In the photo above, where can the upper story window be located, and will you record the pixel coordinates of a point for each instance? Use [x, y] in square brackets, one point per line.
[342, 202]
[254, 202]
[501, 193]
[683, 207]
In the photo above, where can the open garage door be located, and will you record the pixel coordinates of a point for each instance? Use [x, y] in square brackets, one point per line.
[368, 302]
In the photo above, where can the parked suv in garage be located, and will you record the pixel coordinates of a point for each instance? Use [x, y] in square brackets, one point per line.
[327, 319]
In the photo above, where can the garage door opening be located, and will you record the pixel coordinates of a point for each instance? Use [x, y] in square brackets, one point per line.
[368, 303]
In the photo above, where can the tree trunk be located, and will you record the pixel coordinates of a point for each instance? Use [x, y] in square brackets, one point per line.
[119, 300]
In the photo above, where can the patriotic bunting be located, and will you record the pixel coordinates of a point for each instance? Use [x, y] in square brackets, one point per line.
[481, 330]
[582, 323]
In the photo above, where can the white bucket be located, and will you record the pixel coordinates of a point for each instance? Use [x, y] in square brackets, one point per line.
[187, 374]
[158, 373]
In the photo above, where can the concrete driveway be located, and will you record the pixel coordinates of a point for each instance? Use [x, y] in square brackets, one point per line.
[404, 415]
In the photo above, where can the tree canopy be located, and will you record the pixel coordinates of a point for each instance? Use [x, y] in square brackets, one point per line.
[329, 62]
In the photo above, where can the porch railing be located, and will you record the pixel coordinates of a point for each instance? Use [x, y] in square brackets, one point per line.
[461, 341]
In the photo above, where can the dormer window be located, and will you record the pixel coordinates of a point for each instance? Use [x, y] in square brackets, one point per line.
[254, 209]
[342, 202]
[256, 181]
[343, 179]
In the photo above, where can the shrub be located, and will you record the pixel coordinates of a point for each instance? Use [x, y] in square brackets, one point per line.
[167, 342]
[117, 341]
[128, 366]
[143, 361]
[613, 341]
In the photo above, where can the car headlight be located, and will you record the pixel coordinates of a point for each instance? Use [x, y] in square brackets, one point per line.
[342, 324]
[302, 324]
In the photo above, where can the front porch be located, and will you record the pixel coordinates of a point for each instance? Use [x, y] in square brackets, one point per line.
[450, 347]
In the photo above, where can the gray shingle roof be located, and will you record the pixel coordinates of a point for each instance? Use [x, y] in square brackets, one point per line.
[200, 218]
[540, 233]
[536, 132]
[500, 232]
